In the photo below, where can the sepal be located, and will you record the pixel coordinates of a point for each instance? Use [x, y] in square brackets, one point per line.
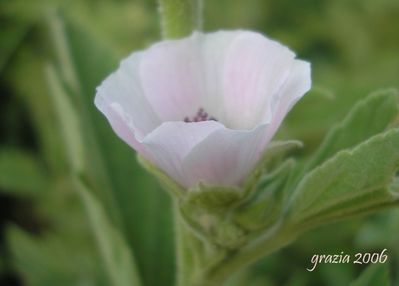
[209, 210]
[275, 154]
[267, 203]
[227, 216]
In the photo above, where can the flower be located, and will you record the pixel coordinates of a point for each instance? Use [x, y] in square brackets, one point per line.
[204, 108]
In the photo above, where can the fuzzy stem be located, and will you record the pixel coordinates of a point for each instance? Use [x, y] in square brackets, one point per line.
[180, 17]
[183, 254]
[189, 250]
[277, 238]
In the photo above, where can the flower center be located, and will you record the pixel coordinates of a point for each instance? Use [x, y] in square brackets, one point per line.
[200, 116]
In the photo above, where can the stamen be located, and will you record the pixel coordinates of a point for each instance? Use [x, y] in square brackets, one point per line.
[200, 116]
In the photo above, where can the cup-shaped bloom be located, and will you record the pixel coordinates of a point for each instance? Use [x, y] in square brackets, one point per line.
[204, 108]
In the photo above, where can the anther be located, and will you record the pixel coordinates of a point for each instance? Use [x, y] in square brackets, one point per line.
[200, 116]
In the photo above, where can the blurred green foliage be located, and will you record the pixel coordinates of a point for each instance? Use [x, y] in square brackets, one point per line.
[52, 56]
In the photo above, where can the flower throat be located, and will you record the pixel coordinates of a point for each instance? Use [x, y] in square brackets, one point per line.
[200, 116]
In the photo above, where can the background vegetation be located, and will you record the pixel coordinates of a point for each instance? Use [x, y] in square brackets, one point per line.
[52, 56]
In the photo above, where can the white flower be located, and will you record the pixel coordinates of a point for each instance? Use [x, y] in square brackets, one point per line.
[203, 108]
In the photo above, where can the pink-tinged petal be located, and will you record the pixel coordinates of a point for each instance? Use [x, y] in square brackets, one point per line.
[123, 89]
[116, 117]
[297, 84]
[181, 76]
[225, 157]
[170, 143]
[246, 81]
[255, 68]
[171, 77]
[213, 53]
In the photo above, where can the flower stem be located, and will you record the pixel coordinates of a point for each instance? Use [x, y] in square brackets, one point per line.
[183, 253]
[218, 273]
[190, 251]
[265, 245]
[180, 17]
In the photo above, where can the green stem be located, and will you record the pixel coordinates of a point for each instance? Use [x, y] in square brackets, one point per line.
[278, 237]
[180, 17]
[184, 252]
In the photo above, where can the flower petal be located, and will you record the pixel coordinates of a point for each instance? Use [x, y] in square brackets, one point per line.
[255, 69]
[213, 56]
[169, 144]
[297, 84]
[225, 157]
[172, 79]
[245, 80]
[123, 89]
[116, 117]
[226, 72]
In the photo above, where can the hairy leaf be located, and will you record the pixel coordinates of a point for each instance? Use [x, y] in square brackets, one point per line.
[52, 259]
[21, 173]
[115, 252]
[367, 118]
[352, 182]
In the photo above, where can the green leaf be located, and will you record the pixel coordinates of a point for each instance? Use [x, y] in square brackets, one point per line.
[17, 19]
[11, 40]
[144, 207]
[21, 174]
[68, 118]
[375, 274]
[367, 118]
[51, 259]
[115, 252]
[34, 95]
[352, 182]
[71, 124]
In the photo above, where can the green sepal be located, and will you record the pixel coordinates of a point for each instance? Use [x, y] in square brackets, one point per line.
[213, 199]
[223, 215]
[227, 215]
[267, 203]
[272, 159]
[204, 208]
[208, 211]
[276, 152]
[264, 189]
